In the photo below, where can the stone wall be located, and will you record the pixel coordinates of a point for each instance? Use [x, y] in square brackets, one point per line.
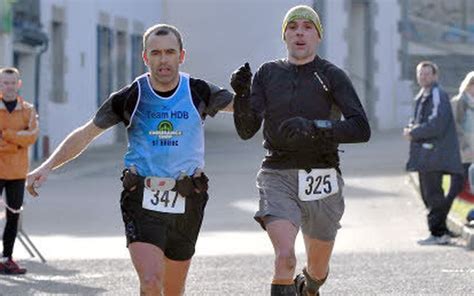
[445, 12]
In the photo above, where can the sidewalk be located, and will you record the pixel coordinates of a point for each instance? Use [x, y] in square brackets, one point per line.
[454, 223]
[76, 223]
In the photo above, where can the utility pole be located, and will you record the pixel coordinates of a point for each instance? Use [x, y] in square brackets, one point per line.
[464, 20]
[403, 28]
[319, 7]
[6, 27]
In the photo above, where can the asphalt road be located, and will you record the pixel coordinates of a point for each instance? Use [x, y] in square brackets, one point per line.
[76, 225]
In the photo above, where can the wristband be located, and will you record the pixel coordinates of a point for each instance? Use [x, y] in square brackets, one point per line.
[323, 124]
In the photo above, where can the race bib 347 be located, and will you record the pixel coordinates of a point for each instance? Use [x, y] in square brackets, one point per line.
[164, 201]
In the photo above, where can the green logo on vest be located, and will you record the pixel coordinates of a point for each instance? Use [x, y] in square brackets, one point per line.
[165, 126]
[165, 130]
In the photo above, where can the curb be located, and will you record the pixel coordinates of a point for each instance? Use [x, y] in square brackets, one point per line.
[454, 224]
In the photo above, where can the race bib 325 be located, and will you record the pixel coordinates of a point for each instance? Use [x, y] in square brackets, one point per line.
[317, 184]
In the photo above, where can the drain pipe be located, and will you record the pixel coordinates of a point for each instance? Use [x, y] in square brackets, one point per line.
[43, 49]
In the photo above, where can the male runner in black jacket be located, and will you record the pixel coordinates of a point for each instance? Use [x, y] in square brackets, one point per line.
[300, 100]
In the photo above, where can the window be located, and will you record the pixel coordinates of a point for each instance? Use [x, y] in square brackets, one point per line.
[121, 73]
[104, 63]
[58, 62]
[138, 67]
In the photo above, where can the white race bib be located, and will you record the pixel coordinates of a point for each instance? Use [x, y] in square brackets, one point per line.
[163, 201]
[317, 184]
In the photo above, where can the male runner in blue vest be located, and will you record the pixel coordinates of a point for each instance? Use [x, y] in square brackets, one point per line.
[165, 191]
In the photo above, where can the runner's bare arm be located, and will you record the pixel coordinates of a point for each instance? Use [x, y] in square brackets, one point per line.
[229, 108]
[72, 146]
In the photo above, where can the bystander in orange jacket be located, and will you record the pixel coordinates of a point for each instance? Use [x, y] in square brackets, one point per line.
[19, 130]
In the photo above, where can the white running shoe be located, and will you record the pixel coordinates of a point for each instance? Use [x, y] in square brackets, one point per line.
[435, 240]
[445, 239]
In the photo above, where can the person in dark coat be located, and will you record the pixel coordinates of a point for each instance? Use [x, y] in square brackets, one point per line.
[434, 150]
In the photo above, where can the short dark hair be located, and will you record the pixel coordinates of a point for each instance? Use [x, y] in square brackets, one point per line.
[10, 70]
[433, 66]
[160, 30]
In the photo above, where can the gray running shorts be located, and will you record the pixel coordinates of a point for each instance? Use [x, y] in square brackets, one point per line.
[278, 190]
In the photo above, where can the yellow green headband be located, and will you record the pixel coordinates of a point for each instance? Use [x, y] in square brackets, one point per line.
[302, 12]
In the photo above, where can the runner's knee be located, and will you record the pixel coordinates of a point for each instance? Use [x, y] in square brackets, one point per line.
[151, 283]
[285, 259]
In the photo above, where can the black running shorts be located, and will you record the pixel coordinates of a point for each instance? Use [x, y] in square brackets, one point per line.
[175, 234]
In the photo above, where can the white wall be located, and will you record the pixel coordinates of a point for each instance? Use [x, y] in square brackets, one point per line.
[221, 35]
[393, 103]
[81, 19]
[5, 50]
[336, 20]
[392, 93]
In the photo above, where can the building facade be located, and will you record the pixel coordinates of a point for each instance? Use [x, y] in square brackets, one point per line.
[86, 50]
[377, 42]
[73, 53]
[94, 49]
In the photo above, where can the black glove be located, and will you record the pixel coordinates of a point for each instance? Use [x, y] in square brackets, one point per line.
[241, 80]
[130, 180]
[185, 186]
[297, 130]
[302, 132]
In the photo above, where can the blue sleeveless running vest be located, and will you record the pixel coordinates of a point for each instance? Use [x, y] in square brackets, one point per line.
[165, 135]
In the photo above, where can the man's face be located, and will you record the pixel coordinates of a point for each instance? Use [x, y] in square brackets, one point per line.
[425, 76]
[302, 39]
[9, 85]
[163, 57]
